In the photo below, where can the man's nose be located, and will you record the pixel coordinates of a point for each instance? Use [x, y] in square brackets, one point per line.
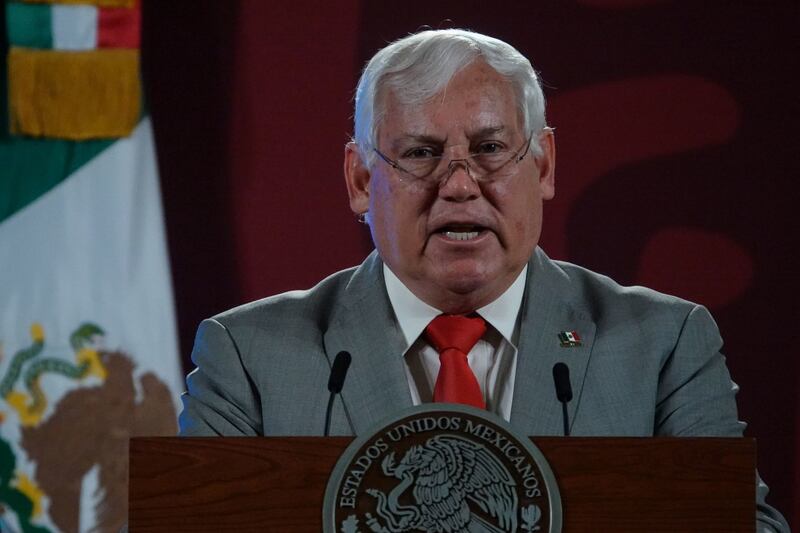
[458, 182]
[455, 163]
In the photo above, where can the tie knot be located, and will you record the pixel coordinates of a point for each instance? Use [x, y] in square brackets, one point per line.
[455, 331]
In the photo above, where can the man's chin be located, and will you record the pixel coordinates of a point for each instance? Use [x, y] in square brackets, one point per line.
[465, 284]
[466, 289]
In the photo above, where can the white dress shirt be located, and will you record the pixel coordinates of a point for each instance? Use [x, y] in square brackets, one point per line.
[493, 359]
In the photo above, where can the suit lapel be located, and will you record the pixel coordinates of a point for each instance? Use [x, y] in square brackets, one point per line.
[363, 324]
[549, 307]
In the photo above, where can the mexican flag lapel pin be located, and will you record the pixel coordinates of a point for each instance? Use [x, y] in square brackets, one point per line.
[569, 339]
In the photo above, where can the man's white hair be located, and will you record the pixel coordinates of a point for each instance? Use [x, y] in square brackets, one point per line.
[418, 67]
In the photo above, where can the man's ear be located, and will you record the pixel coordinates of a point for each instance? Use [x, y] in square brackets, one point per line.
[357, 177]
[546, 163]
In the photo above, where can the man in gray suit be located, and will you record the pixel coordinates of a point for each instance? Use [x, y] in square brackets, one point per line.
[450, 165]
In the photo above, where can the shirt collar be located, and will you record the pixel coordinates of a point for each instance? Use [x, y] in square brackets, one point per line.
[414, 315]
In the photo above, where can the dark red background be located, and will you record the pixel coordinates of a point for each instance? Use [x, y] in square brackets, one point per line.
[676, 133]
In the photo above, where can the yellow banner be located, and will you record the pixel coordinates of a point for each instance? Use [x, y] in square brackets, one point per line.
[74, 95]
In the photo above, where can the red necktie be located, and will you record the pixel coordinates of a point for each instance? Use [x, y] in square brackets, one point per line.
[453, 336]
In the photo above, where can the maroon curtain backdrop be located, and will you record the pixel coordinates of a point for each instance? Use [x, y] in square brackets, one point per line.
[676, 133]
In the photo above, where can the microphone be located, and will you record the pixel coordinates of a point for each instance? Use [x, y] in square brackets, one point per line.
[336, 382]
[563, 391]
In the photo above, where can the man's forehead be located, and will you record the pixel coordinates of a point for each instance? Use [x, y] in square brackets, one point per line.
[472, 108]
[476, 78]
[424, 123]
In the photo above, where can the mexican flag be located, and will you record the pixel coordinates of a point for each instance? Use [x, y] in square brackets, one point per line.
[88, 346]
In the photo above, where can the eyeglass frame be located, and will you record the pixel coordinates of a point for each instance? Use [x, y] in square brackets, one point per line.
[449, 172]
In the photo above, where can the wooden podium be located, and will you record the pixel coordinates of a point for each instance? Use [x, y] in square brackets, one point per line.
[278, 484]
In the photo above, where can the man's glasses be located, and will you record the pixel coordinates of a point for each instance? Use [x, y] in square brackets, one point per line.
[486, 164]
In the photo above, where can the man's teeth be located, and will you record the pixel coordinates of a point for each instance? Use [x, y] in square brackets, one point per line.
[461, 235]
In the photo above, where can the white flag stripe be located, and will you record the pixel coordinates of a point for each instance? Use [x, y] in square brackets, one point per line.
[74, 27]
[93, 249]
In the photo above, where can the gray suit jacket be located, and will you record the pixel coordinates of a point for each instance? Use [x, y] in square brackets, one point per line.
[649, 364]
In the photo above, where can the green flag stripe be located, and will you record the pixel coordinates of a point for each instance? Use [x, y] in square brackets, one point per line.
[31, 167]
[29, 25]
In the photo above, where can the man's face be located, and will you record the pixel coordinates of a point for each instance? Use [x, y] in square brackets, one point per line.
[459, 245]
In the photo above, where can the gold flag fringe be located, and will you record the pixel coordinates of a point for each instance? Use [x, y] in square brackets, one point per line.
[74, 95]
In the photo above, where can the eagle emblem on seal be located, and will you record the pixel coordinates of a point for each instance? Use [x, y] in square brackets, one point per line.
[449, 478]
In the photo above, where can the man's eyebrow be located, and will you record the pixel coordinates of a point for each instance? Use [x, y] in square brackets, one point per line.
[426, 138]
[421, 138]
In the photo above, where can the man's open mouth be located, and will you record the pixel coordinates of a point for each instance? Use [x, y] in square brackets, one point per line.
[461, 233]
